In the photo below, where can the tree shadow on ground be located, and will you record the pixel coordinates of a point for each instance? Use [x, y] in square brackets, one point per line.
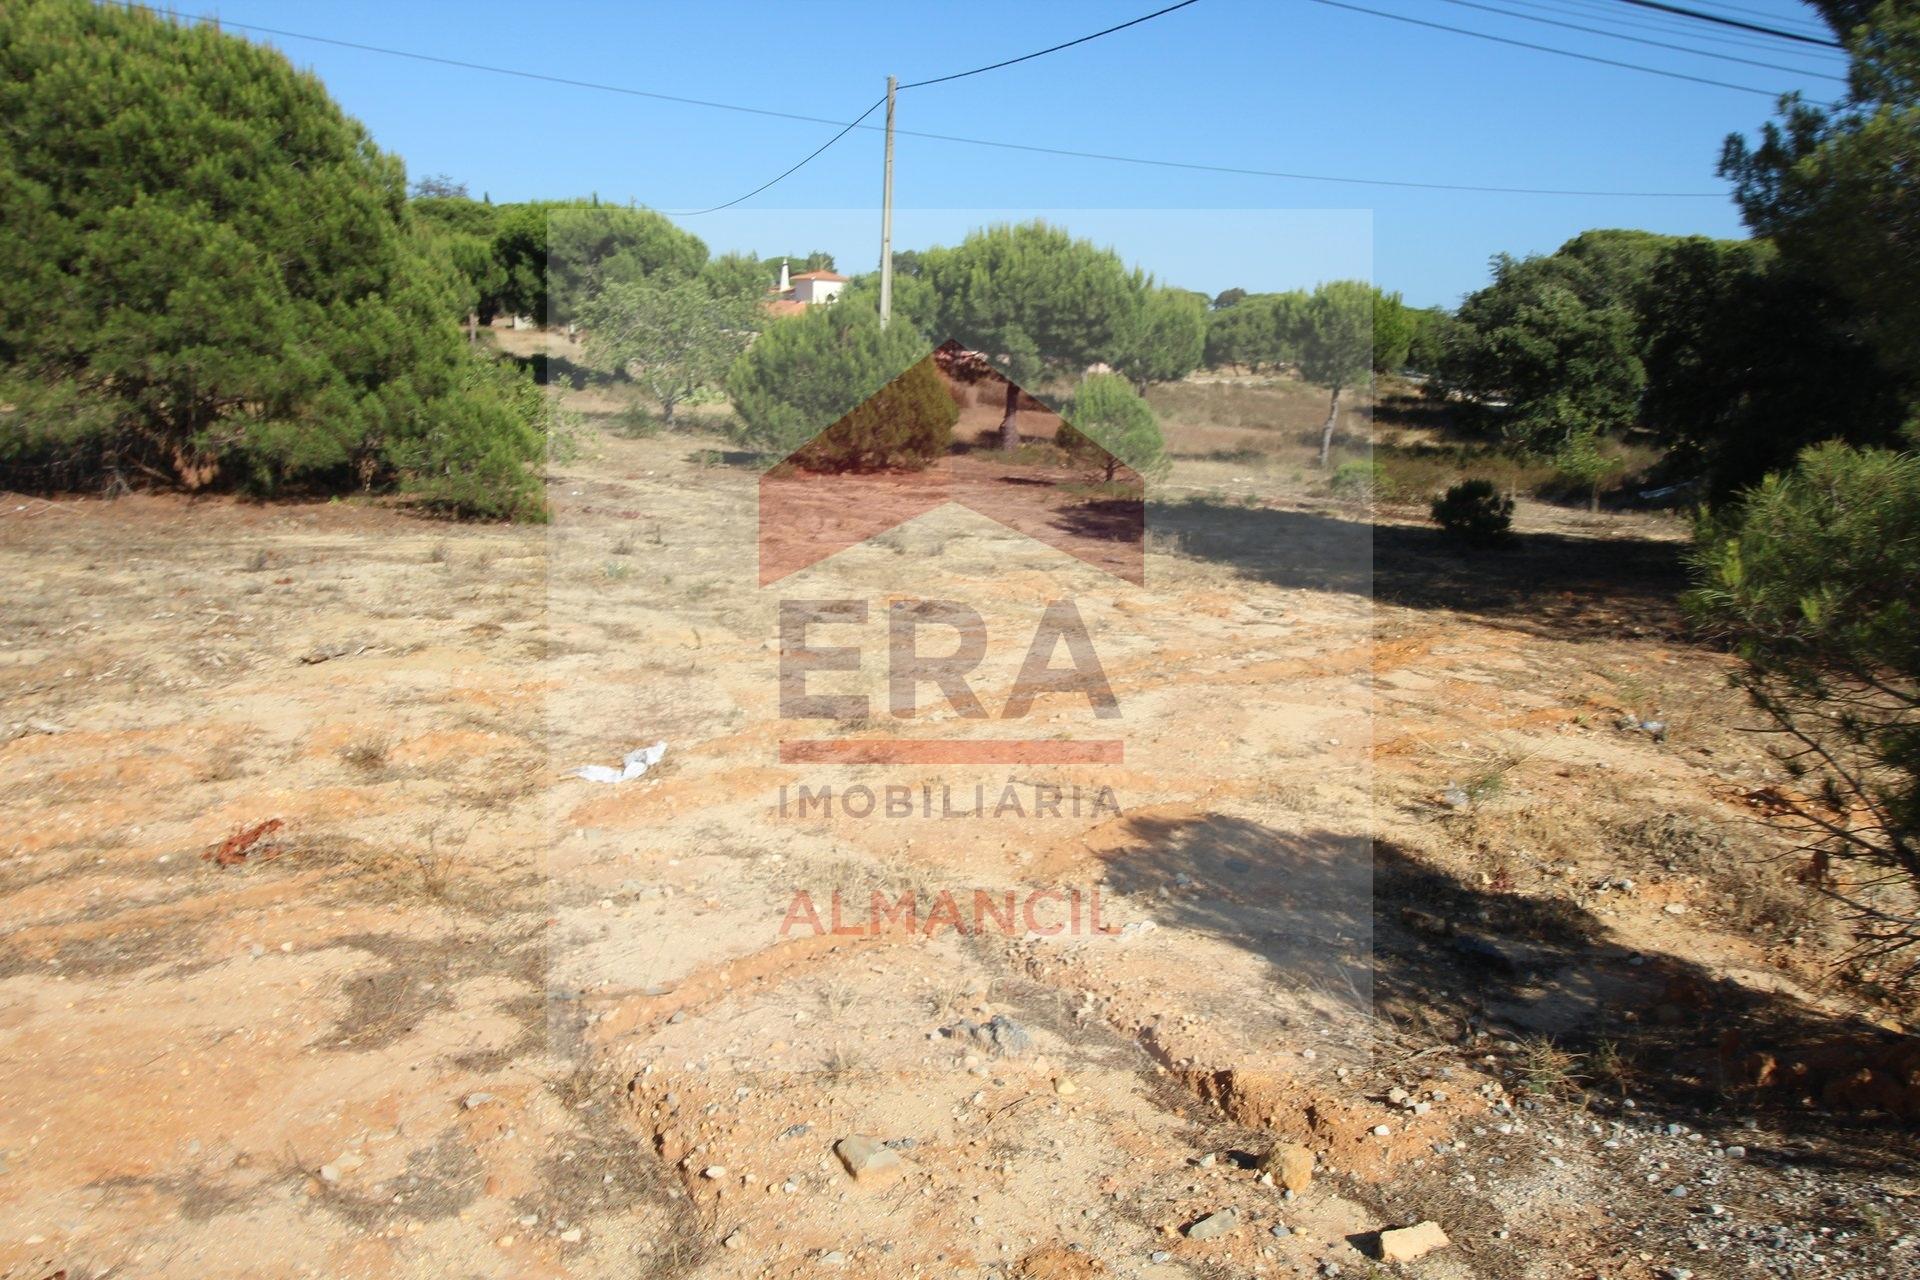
[1555, 585]
[1300, 901]
[555, 371]
[1413, 413]
[1486, 971]
[742, 459]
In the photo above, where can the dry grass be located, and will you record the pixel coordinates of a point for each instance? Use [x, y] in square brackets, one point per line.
[1756, 893]
[368, 754]
[1547, 1070]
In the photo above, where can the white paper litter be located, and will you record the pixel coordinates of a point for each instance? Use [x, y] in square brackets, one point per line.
[632, 765]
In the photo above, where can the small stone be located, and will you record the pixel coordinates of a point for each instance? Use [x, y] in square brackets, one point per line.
[714, 1171]
[1408, 1243]
[473, 1100]
[1676, 908]
[572, 1235]
[833, 1258]
[868, 1159]
[1159, 1255]
[1214, 1225]
[1398, 1097]
[1279, 1229]
[734, 1239]
[328, 1173]
[1381, 1130]
[1290, 1163]
[1736, 1153]
[1065, 1087]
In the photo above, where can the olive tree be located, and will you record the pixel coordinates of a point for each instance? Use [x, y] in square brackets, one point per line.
[672, 339]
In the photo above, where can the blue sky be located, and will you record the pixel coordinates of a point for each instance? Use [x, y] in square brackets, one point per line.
[1269, 84]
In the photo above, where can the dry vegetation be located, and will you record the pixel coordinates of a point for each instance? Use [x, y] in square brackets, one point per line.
[465, 1015]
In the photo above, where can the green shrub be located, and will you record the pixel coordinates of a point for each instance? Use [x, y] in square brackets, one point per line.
[1108, 425]
[471, 458]
[878, 389]
[1357, 478]
[210, 277]
[1816, 580]
[1474, 513]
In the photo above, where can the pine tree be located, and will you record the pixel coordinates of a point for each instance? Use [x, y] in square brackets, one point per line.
[836, 367]
[208, 276]
[1336, 345]
[1034, 300]
[1109, 425]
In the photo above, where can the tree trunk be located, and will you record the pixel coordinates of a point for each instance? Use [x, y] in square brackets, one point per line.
[1009, 428]
[473, 327]
[1593, 497]
[1326, 432]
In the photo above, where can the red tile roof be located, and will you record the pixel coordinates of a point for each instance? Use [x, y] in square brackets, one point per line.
[820, 275]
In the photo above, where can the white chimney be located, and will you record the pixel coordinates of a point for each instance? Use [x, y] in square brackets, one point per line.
[785, 283]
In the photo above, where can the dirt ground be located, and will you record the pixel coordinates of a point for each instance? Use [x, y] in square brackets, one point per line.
[1394, 865]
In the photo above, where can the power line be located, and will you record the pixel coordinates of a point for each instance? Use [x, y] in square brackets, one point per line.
[1041, 53]
[1608, 12]
[1735, 23]
[958, 75]
[492, 70]
[854, 124]
[1657, 44]
[846, 126]
[1310, 177]
[1542, 48]
[1804, 24]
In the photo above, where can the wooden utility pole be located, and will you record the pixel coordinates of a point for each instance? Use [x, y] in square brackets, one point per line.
[886, 218]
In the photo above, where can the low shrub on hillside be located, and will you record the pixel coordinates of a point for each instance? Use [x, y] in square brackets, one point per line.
[1474, 513]
[1356, 478]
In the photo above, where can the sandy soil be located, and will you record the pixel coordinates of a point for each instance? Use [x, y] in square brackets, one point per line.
[466, 1014]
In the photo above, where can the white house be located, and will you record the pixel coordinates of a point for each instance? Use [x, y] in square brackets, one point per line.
[814, 287]
[808, 289]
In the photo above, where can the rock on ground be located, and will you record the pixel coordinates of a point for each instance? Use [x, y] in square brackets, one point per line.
[1407, 1243]
[868, 1159]
[1214, 1225]
[1290, 1164]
